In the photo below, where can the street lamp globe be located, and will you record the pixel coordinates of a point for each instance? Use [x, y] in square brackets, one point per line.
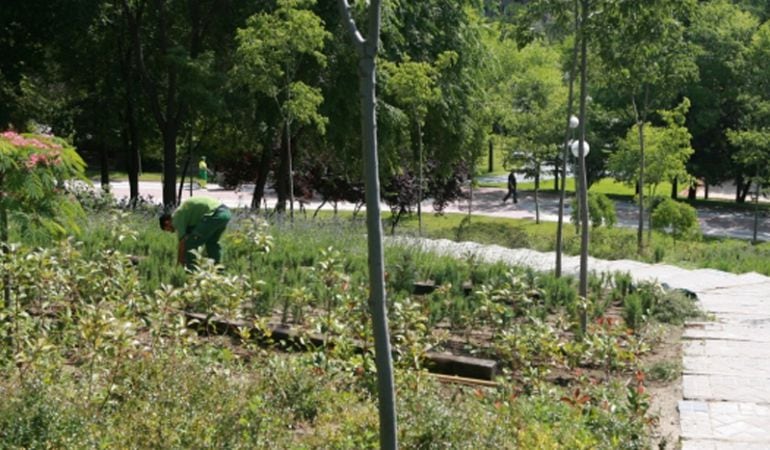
[574, 146]
[573, 121]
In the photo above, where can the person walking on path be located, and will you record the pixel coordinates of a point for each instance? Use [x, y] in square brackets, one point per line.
[511, 188]
[203, 172]
[199, 221]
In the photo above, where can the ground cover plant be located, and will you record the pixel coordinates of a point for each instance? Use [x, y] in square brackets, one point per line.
[98, 354]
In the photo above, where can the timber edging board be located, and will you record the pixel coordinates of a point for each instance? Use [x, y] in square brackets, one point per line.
[442, 363]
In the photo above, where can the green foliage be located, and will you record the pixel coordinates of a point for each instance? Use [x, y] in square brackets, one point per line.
[680, 218]
[601, 211]
[676, 307]
[270, 49]
[633, 311]
[33, 171]
[666, 150]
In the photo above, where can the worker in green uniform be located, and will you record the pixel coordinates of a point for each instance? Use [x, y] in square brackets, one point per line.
[197, 222]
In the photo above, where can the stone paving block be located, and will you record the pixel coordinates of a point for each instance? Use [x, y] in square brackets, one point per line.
[726, 348]
[726, 388]
[727, 331]
[727, 366]
[701, 444]
[734, 422]
[761, 336]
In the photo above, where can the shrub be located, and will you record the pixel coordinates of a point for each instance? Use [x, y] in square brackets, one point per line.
[601, 210]
[633, 311]
[679, 219]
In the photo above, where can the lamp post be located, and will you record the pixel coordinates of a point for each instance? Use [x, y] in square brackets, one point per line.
[580, 149]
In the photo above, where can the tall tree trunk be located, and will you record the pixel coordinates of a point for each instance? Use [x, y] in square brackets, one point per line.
[675, 188]
[640, 185]
[583, 289]
[131, 144]
[263, 172]
[169, 165]
[104, 165]
[738, 188]
[367, 52]
[705, 190]
[282, 181]
[491, 166]
[537, 199]
[692, 191]
[567, 135]
[419, 179]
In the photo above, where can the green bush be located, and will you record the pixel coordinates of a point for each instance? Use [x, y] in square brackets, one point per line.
[677, 218]
[601, 211]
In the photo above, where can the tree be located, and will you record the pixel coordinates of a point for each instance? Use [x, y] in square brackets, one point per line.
[535, 124]
[667, 150]
[175, 45]
[32, 167]
[677, 217]
[722, 33]
[751, 136]
[413, 86]
[646, 58]
[270, 52]
[366, 47]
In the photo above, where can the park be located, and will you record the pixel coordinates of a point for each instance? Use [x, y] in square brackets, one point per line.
[424, 225]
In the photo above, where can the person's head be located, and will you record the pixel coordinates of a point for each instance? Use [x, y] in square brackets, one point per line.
[203, 158]
[166, 223]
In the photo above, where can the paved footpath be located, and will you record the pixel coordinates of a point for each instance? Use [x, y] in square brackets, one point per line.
[726, 380]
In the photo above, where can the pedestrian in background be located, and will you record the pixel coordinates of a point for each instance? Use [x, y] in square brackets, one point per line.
[511, 188]
[203, 172]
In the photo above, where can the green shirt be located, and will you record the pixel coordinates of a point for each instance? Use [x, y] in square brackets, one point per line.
[190, 213]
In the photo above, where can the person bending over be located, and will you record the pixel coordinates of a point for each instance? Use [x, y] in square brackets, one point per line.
[198, 221]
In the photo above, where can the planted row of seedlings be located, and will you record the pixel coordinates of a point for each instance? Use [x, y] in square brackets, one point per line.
[104, 310]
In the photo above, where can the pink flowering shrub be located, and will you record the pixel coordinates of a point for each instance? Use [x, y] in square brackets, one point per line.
[34, 172]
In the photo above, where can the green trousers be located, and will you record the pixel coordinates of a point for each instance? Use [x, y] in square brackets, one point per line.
[207, 232]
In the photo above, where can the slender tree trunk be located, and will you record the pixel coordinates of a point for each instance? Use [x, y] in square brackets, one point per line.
[104, 166]
[705, 190]
[169, 166]
[263, 171]
[565, 153]
[377, 301]
[640, 228]
[756, 209]
[675, 188]
[583, 289]
[491, 156]
[131, 143]
[692, 192]
[290, 169]
[556, 178]
[537, 202]
[367, 52]
[4, 232]
[282, 176]
[186, 167]
[419, 187]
